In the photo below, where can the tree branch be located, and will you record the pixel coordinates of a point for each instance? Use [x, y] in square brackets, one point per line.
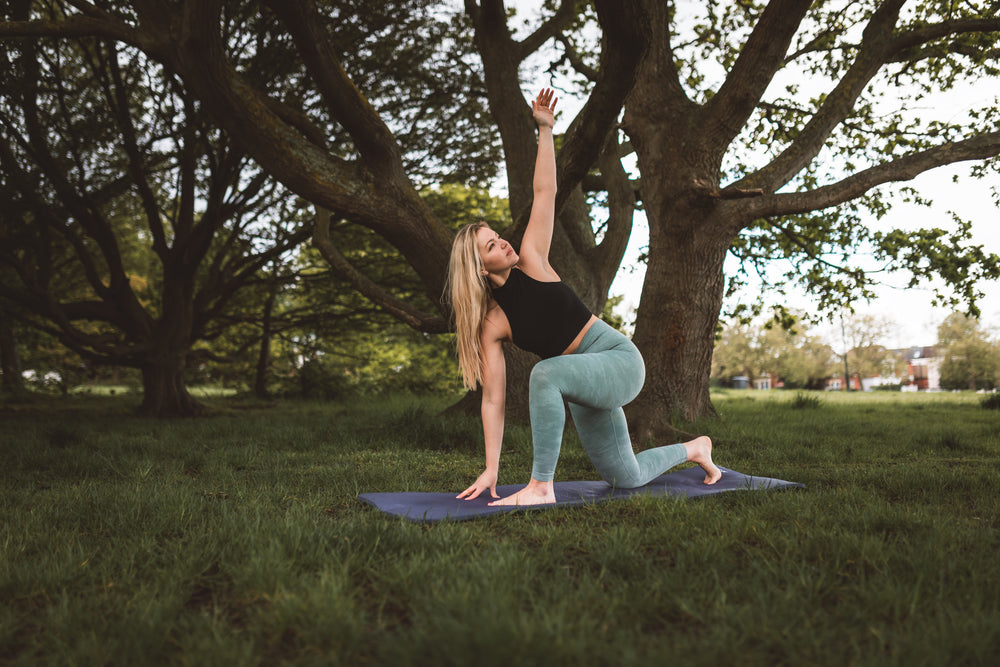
[621, 208]
[925, 34]
[342, 267]
[982, 147]
[576, 62]
[73, 26]
[626, 39]
[551, 28]
[762, 56]
[347, 104]
[875, 49]
[119, 103]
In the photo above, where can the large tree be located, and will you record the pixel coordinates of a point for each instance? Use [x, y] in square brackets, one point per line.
[129, 221]
[799, 81]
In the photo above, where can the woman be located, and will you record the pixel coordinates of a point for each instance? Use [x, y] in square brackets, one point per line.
[500, 295]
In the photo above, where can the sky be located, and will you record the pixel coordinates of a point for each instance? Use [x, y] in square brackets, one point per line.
[914, 319]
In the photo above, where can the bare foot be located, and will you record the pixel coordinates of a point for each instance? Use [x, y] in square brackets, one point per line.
[699, 450]
[535, 493]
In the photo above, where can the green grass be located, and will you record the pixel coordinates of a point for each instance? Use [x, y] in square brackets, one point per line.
[237, 539]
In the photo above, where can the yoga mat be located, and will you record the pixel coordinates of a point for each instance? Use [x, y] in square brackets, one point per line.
[430, 507]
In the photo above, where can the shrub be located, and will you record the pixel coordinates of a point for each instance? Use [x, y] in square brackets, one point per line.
[991, 401]
[321, 380]
[888, 387]
[805, 401]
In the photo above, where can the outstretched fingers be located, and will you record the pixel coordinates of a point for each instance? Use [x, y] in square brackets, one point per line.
[546, 100]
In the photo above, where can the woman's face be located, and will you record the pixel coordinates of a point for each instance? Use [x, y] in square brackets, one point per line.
[496, 253]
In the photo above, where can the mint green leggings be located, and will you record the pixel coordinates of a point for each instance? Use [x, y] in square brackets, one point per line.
[604, 373]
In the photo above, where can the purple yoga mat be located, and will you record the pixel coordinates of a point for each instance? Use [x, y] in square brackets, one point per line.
[429, 507]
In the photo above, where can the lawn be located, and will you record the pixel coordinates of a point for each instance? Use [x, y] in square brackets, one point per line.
[237, 539]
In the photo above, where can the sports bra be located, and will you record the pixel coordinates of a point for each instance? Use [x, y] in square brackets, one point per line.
[544, 317]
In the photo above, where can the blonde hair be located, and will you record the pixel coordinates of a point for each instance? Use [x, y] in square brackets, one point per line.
[468, 291]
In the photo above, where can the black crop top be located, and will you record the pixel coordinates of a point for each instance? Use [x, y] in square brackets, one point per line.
[544, 317]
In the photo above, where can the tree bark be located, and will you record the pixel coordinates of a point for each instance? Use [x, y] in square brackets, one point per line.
[264, 352]
[676, 321]
[164, 391]
[10, 359]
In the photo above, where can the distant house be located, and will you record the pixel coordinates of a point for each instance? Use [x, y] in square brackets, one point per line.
[923, 373]
[765, 381]
[923, 368]
[837, 382]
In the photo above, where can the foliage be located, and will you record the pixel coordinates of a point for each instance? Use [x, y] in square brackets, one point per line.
[132, 222]
[971, 357]
[887, 387]
[991, 402]
[240, 540]
[799, 359]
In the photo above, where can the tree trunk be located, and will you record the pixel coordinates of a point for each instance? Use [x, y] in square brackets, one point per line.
[10, 360]
[689, 234]
[164, 391]
[264, 354]
[675, 323]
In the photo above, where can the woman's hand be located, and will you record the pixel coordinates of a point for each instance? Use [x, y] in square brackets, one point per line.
[487, 480]
[543, 108]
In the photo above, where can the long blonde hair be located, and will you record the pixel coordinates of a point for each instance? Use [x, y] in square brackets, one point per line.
[468, 291]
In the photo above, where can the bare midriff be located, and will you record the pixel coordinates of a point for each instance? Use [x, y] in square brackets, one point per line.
[579, 337]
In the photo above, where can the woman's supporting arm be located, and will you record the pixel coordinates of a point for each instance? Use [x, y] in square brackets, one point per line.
[492, 410]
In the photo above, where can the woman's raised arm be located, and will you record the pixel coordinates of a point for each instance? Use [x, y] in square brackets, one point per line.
[534, 255]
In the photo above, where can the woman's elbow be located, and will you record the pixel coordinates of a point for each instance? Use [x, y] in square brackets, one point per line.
[545, 192]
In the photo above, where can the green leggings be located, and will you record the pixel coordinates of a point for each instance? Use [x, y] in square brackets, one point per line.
[604, 373]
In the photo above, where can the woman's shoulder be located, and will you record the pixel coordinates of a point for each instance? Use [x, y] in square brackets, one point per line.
[496, 326]
[538, 271]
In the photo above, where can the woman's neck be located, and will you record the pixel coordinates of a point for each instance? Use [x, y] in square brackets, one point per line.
[500, 278]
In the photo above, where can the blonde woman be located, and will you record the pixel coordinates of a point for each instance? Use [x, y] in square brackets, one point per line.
[498, 294]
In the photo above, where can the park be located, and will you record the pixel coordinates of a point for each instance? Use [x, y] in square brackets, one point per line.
[225, 240]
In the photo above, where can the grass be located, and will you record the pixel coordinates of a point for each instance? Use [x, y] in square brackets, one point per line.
[237, 539]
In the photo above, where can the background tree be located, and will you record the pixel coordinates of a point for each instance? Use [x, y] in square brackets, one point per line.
[10, 354]
[324, 329]
[131, 221]
[798, 358]
[316, 127]
[861, 337]
[970, 356]
[745, 120]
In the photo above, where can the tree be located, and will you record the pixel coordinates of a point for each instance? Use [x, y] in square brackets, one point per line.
[696, 92]
[971, 359]
[131, 222]
[705, 191]
[866, 356]
[798, 358]
[10, 356]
